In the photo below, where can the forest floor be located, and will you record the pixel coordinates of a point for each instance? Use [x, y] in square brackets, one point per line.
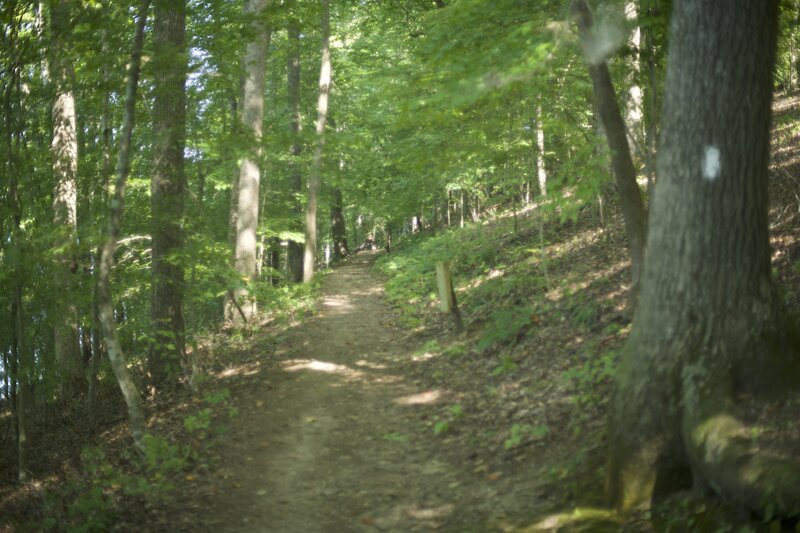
[335, 432]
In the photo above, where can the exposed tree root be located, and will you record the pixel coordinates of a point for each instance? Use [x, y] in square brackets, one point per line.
[725, 458]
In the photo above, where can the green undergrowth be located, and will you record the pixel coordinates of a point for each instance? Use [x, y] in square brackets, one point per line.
[111, 478]
[509, 276]
[543, 303]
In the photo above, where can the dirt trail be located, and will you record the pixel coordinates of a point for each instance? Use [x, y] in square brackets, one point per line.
[334, 440]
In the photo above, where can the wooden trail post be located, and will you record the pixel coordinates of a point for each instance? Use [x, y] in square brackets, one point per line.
[447, 296]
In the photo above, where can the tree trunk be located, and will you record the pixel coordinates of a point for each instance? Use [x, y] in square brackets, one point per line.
[24, 364]
[338, 227]
[310, 255]
[633, 96]
[541, 172]
[630, 196]
[233, 207]
[65, 201]
[105, 301]
[243, 310]
[294, 257]
[650, 116]
[710, 323]
[168, 186]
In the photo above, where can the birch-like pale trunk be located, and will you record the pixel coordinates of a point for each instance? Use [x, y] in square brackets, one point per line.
[541, 172]
[64, 150]
[314, 181]
[634, 98]
[243, 309]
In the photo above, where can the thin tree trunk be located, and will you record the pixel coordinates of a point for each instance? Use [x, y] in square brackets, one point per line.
[541, 171]
[461, 209]
[105, 302]
[338, 227]
[233, 210]
[651, 121]
[249, 171]
[20, 357]
[294, 253]
[633, 96]
[630, 196]
[23, 371]
[97, 332]
[314, 181]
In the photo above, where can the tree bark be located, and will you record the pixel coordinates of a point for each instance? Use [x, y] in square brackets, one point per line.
[541, 172]
[105, 301]
[630, 196]
[167, 191]
[249, 172]
[338, 227]
[710, 323]
[294, 257]
[64, 150]
[314, 180]
[650, 111]
[633, 96]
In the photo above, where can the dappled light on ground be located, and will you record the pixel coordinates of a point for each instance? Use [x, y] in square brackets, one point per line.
[248, 369]
[427, 397]
[294, 365]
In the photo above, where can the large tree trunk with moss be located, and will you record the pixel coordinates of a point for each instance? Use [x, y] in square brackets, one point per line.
[243, 310]
[294, 254]
[630, 196]
[710, 324]
[168, 190]
[65, 200]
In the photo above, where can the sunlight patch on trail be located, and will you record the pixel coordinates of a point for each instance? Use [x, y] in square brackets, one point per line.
[295, 365]
[427, 397]
[371, 365]
[242, 370]
[338, 302]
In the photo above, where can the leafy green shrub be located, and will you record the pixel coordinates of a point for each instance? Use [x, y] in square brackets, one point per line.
[89, 502]
[198, 422]
[589, 375]
[506, 326]
[519, 432]
[506, 365]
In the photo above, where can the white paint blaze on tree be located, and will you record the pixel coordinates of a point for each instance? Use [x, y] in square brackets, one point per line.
[243, 309]
[309, 258]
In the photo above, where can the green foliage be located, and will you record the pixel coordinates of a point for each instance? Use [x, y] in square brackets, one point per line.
[506, 326]
[395, 437]
[441, 426]
[584, 312]
[521, 432]
[590, 375]
[89, 503]
[199, 421]
[506, 365]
